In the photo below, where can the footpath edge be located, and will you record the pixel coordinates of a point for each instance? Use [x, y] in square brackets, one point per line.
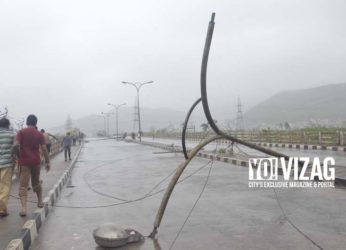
[31, 227]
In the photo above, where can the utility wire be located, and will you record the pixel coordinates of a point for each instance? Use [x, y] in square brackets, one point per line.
[147, 194]
[196, 202]
[134, 200]
[94, 190]
[104, 164]
[123, 201]
[292, 224]
[150, 194]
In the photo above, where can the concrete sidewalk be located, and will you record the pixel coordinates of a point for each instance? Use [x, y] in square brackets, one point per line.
[11, 225]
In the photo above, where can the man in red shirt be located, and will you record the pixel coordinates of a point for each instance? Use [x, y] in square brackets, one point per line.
[29, 140]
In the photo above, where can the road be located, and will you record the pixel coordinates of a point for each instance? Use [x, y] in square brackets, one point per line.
[244, 153]
[229, 215]
[339, 156]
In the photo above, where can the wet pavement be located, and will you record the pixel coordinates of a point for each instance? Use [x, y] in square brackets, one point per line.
[112, 180]
[244, 153]
[11, 225]
[339, 156]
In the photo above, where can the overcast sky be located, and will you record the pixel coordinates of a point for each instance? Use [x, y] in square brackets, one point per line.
[69, 57]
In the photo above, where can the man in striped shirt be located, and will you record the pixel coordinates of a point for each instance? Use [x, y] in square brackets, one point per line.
[6, 164]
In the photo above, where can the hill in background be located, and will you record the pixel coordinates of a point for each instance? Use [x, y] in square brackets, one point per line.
[320, 106]
[325, 104]
[150, 119]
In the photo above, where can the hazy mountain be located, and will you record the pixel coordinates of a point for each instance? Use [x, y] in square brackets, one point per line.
[150, 119]
[325, 103]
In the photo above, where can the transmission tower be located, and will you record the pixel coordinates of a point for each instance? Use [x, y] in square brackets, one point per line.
[239, 124]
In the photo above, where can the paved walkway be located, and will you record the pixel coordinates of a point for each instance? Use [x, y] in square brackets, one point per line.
[11, 225]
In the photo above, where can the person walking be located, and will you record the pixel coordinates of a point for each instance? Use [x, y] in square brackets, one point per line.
[46, 140]
[29, 140]
[67, 143]
[6, 163]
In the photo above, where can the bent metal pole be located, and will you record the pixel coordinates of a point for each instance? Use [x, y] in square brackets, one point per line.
[185, 126]
[219, 134]
[204, 99]
[174, 181]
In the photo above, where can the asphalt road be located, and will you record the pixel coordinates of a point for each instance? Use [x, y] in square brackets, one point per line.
[339, 156]
[244, 153]
[229, 215]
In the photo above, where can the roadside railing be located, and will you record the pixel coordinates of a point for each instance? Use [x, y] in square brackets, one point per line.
[322, 138]
[55, 148]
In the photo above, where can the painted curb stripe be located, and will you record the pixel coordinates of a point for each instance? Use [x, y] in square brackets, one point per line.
[37, 218]
[51, 197]
[340, 181]
[25, 236]
[30, 230]
[46, 204]
[30, 225]
[16, 244]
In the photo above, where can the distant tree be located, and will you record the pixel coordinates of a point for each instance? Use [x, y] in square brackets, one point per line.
[205, 126]
[4, 113]
[287, 126]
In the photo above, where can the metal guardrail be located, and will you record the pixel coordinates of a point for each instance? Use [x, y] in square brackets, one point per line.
[322, 138]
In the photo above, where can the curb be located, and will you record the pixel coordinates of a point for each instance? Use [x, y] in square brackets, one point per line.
[31, 227]
[289, 145]
[340, 182]
[301, 146]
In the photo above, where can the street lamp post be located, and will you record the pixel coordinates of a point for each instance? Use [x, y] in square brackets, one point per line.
[106, 116]
[116, 107]
[138, 85]
[104, 122]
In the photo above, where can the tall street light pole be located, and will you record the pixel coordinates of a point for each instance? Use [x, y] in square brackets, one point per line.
[138, 86]
[104, 122]
[116, 107]
[106, 116]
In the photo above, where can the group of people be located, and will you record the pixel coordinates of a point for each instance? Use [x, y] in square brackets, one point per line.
[23, 148]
